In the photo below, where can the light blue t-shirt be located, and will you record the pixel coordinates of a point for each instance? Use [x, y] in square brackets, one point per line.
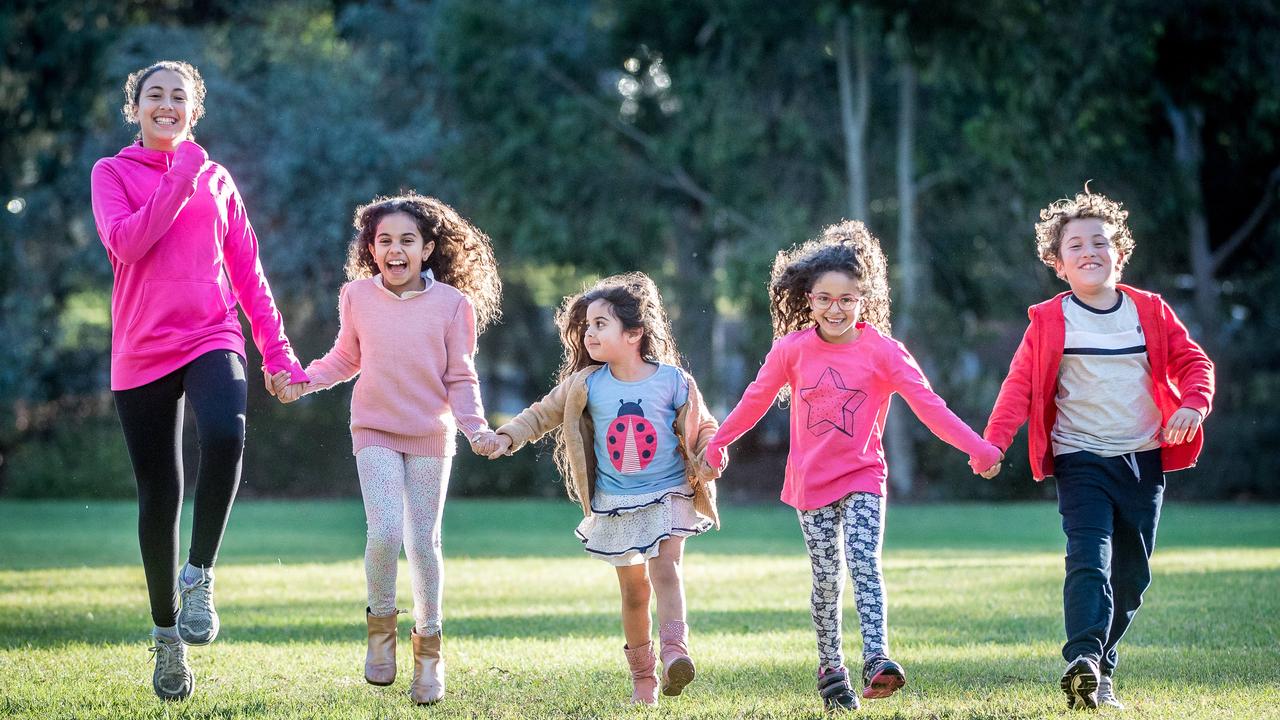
[637, 450]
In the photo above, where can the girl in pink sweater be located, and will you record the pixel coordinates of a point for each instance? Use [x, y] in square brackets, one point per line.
[423, 283]
[830, 307]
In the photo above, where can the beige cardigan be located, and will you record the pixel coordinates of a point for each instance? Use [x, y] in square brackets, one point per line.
[566, 405]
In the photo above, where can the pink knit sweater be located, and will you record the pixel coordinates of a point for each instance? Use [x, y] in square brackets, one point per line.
[839, 402]
[414, 355]
[183, 254]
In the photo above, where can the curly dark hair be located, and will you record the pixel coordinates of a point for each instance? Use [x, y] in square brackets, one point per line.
[463, 255]
[637, 304]
[1086, 204]
[133, 92]
[846, 247]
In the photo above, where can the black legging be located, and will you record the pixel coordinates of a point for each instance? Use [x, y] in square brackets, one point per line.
[151, 416]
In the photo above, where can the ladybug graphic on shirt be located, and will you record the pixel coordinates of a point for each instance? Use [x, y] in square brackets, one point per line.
[631, 439]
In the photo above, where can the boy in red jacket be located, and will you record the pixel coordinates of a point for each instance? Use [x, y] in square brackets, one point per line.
[1115, 391]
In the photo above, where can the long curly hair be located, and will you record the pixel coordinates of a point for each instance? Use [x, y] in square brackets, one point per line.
[637, 304]
[1086, 204]
[846, 247]
[463, 255]
[133, 92]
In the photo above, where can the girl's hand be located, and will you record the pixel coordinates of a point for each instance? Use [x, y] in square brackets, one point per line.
[992, 471]
[485, 442]
[275, 383]
[706, 472]
[501, 447]
[291, 392]
[1182, 426]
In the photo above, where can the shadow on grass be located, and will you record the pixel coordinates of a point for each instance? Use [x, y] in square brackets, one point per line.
[1177, 620]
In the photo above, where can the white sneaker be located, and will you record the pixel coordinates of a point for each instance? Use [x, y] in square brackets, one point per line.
[1107, 694]
[197, 620]
[172, 679]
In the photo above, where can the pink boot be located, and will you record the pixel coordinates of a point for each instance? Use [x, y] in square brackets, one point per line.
[677, 666]
[644, 678]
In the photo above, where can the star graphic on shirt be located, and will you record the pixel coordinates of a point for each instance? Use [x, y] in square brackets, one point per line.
[829, 404]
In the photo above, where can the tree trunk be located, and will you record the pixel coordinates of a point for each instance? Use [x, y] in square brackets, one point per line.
[899, 448]
[854, 109]
[1188, 153]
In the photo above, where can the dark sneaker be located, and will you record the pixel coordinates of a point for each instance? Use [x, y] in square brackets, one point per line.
[881, 677]
[172, 679]
[1107, 694]
[197, 620]
[1080, 683]
[833, 686]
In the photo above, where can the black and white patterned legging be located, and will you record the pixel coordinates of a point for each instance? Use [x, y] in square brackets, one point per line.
[851, 529]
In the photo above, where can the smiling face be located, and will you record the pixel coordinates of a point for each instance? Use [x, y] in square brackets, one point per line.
[399, 252]
[163, 110]
[605, 338]
[835, 304]
[1087, 259]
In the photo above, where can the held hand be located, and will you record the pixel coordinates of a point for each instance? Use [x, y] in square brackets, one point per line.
[291, 392]
[275, 382]
[484, 443]
[1182, 426]
[707, 472]
[990, 472]
[502, 446]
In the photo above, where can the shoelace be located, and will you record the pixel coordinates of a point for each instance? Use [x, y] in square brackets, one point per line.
[197, 597]
[167, 656]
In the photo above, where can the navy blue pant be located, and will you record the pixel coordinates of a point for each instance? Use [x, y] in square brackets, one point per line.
[151, 416]
[1110, 509]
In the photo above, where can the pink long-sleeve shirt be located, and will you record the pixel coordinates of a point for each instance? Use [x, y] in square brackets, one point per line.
[840, 399]
[415, 357]
[183, 254]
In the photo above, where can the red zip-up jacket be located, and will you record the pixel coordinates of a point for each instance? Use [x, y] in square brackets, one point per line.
[1181, 374]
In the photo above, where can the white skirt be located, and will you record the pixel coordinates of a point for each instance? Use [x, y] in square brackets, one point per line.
[626, 529]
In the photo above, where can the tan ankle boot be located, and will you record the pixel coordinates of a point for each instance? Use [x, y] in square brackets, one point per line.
[677, 666]
[644, 676]
[380, 660]
[428, 669]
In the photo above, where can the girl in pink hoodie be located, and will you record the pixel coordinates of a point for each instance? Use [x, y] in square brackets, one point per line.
[423, 284]
[184, 256]
[833, 353]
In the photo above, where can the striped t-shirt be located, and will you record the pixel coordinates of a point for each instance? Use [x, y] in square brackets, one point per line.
[1105, 398]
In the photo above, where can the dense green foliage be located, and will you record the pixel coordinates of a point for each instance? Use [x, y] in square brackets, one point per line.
[691, 140]
[532, 626]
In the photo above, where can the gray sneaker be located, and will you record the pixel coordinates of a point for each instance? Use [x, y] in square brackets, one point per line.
[1107, 694]
[172, 679]
[197, 620]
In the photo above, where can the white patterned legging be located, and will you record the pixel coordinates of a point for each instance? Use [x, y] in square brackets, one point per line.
[851, 529]
[403, 502]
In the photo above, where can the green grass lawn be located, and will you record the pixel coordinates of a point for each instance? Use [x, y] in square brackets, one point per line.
[532, 625]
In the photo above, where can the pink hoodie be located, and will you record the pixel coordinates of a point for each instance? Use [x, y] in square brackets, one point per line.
[184, 255]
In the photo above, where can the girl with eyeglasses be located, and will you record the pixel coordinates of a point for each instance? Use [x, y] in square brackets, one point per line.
[830, 307]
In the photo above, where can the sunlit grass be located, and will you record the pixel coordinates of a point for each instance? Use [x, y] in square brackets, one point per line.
[532, 625]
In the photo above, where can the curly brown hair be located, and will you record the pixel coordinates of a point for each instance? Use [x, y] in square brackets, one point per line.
[463, 255]
[1054, 219]
[636, 303]
[847, 247]
[133, 92]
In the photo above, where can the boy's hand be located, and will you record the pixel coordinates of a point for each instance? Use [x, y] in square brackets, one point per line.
[291, 392]
[1182, 426]
[503, 444]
